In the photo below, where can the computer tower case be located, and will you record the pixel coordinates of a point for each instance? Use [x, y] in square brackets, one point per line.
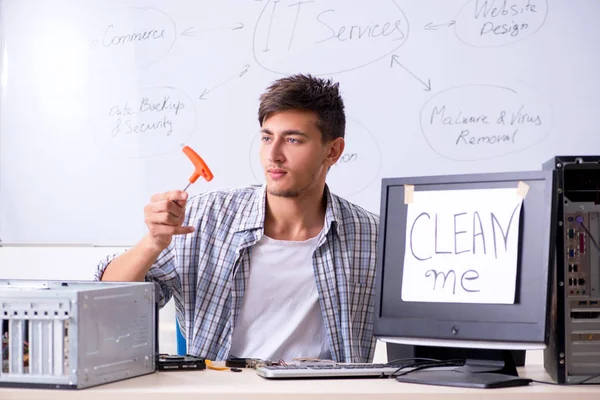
[75, 334]
[572, 356]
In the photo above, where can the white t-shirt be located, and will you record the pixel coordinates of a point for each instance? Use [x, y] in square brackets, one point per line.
[280, 317]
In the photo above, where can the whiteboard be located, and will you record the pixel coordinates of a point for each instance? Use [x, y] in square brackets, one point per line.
[98, 96]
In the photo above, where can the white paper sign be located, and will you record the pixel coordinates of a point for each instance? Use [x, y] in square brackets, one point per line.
[462, 246]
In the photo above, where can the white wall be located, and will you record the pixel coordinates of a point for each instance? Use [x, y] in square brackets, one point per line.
[73, 263]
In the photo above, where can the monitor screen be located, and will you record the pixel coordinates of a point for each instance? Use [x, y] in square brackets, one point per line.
[478, 259]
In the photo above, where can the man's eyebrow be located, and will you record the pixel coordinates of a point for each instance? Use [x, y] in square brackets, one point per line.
[287, 132]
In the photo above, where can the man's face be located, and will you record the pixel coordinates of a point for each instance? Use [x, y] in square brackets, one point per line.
[292, 153]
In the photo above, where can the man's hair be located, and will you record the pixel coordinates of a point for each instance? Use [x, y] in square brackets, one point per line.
[308, 93]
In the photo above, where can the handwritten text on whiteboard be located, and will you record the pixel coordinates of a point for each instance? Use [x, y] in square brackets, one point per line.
[462, 246]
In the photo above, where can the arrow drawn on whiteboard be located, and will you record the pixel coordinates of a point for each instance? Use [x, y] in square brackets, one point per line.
[431, 27]
[188, 32]
[427, 86]
[192, 31]
[238, 75]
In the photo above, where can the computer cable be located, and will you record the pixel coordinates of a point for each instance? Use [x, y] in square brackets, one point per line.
[426, 365]
[583, 382]
[580, 222]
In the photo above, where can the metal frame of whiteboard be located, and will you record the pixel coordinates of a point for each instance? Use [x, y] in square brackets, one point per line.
[80, 334]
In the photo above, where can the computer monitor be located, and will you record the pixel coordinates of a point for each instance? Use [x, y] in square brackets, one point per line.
[464, 264]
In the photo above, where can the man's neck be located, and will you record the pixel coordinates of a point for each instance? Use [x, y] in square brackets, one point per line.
[295, 218]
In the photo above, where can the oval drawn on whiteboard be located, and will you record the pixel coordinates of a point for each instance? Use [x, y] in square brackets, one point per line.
[492, 23]
[151, 122]
[131, 37]
[477, 122]
[356, 170]
[360, 164]
[327, 37]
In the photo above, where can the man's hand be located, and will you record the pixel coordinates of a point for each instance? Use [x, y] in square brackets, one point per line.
[164, 217]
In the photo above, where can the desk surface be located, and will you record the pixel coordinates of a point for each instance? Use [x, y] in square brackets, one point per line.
[246, 385]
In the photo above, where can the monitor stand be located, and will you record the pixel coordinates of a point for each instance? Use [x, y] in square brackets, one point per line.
[482, 369]
[398, 351]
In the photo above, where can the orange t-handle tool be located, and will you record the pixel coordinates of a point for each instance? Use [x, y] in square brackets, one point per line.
[202, 169]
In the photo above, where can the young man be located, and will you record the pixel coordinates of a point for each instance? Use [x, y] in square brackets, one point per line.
[275, 272]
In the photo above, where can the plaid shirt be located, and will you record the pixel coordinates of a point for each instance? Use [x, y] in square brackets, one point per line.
[207, 271]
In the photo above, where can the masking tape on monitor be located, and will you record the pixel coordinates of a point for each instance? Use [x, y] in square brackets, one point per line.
[409, 190]
[522, 189]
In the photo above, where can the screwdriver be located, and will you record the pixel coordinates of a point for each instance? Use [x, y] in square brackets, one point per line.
[201, 169]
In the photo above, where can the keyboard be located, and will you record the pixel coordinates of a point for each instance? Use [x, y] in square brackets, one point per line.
[327, 371]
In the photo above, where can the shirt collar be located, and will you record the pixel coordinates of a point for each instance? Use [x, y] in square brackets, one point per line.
[253, 215]
[333, 212]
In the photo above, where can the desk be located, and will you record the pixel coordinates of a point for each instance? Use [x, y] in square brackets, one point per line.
[246, 385]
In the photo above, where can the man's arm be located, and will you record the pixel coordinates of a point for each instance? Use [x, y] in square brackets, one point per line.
[164, 217]
[133, 265]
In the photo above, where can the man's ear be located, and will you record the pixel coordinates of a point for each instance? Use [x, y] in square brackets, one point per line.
[336, 148]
